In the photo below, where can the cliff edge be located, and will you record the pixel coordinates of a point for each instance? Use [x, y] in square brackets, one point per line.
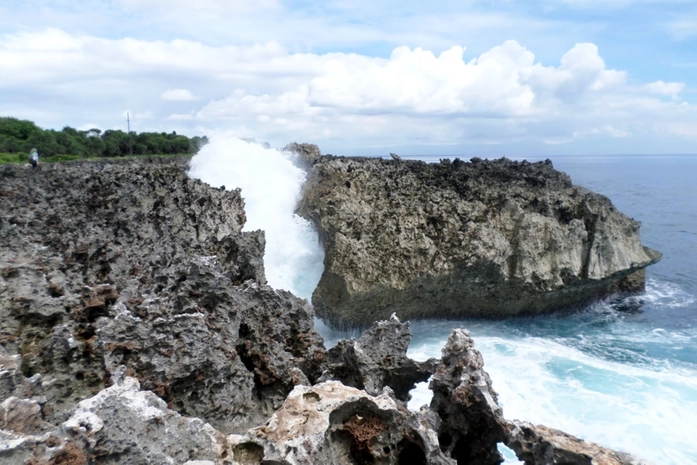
[453, 239]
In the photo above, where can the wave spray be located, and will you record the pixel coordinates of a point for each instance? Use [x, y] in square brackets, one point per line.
[271, 185]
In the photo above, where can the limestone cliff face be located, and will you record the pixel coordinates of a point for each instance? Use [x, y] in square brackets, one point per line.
[453, 239]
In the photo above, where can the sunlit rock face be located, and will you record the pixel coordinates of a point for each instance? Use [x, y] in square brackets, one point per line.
[485, 239]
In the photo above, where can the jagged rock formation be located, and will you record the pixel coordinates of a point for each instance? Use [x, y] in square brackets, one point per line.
[378, 359]
[124, 424]
[325, 423]
[537, 444]
[307, 154]
[465, 401]
[135, 327]
[454, 239]
[334, 423]
[135, 264]
[121, 424]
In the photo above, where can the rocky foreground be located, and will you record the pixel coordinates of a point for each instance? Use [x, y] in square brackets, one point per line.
[487, 239]
[136, 327]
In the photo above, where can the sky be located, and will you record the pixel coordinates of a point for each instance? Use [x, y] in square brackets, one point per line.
[470, 77]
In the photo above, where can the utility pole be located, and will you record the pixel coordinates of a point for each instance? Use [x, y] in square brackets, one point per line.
[128, 122]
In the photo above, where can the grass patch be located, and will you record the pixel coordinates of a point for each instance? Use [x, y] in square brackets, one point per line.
[6, 158]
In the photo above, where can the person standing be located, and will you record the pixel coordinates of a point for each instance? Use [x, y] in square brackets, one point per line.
[34, 158]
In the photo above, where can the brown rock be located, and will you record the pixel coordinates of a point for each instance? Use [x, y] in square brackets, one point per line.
[21, 416]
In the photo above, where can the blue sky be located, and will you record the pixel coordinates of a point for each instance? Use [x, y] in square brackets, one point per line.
[496, 77]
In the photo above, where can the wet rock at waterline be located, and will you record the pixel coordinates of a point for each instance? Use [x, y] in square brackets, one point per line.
[463, 239]
[537, 444]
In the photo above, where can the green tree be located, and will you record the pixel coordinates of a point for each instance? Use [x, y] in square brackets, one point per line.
[10, 144]
[116, 143]
[20, 136]
[17, 129]
[94, 144]
[44, 141]
[72, 142]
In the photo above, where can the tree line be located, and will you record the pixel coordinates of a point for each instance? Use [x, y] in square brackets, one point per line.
[20, 136]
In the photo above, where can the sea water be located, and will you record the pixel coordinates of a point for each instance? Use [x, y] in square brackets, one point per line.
[622, 373]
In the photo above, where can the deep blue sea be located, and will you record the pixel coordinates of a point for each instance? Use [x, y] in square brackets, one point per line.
[621, 373]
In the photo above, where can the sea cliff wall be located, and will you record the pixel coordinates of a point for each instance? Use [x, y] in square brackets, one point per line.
[453, 239]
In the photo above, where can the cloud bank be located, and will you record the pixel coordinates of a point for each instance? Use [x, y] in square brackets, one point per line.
[413, 97]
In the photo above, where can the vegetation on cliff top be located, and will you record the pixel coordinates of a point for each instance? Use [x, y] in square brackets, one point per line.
[18, 137]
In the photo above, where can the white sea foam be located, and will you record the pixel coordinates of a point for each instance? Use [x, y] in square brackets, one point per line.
[271, 185]
[665, 294]
[333, 336]
[421, 395]
[648, 411]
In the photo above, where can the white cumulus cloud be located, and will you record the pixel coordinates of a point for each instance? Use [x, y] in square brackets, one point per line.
[177, 95]
[665, 88]
[414, 96]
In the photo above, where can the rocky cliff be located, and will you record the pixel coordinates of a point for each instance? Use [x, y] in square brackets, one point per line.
[135, 264]
[462, 239]
[136, 328]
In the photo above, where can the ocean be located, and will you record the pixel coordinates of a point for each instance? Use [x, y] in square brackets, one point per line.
[622, 373]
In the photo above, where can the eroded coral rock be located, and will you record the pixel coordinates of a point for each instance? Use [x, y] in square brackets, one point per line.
[133, 263]
[452, 239]
[22, 416]
[540, 445]
[123, 424]
[378, 359]
[333, 423]
[308, 154]
[472, 423]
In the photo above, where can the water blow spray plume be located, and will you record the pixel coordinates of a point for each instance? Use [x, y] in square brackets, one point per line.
[271, 185]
